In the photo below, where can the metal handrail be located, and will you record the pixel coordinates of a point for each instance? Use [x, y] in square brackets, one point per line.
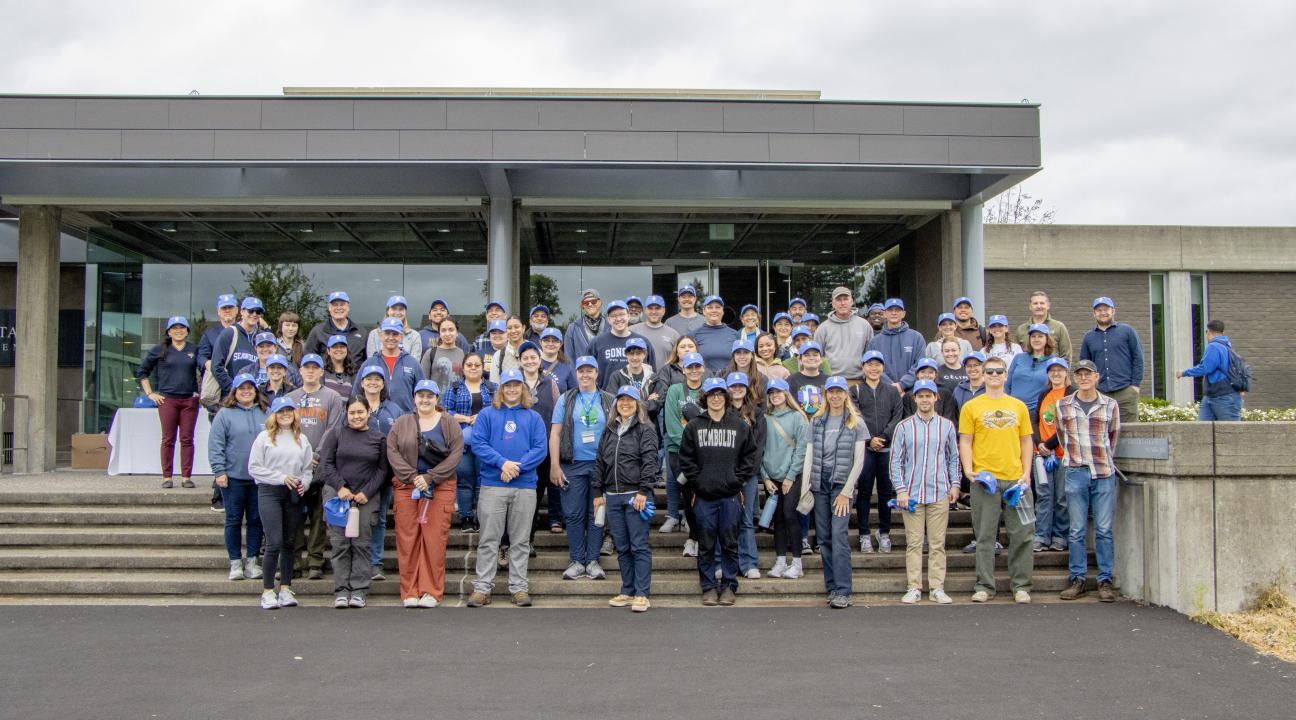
[21, 458]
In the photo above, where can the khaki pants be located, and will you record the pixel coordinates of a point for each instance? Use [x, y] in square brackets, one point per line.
[1127, 398]
[933, 518]
[986, 511]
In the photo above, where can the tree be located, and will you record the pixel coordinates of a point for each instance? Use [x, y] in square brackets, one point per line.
[544, 291]
[282, 287]
[1017, 207]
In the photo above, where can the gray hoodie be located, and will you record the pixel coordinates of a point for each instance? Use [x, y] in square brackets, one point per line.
[844, 342]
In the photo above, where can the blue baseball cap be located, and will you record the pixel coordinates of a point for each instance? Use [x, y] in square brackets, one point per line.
[337, 340]
[747, 307]
[439, 301]
[961, 300]
[927, 385]
[635, 343]
[945, 317]
[498, 304]
[427, 386]
[277, 359]
[811, 346]
[782, 316]
[1104, 300]
[926, 363]
[975, 355]
[1038, 328]
[691, 360]
[392, 325]
[617, 305]
[873, 355]
[997, 320]
[251, 303]
[797, 300]
[177, 320]
[241, 379]
[224, 301]
[1058, 362]
[528, 345]
[339, 295]
[836, 381]
[634, 299]
[777, 384]
[263, 338]
[282, 403]
[657, 300]
[737, 378]
[554, 333]
[311, 358]
[510, 375]
[893, 303]
[801, 330]
[686, 290]
[395, 300]
[586, 361]
[497, 326]
[368, 370]
[742, 345]
[875, 307]
[539, 308]
[714, 384]
[712, 299]
[629, 391]
[810, 317]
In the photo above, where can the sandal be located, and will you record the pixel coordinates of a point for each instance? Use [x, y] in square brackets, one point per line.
[167, 484]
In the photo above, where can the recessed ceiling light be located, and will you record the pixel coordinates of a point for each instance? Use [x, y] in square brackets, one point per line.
[582, 231]
[458, 249]
[167, 227]
[853, 231]
[580, 252]
[211, 247]
[704, 252]
[825, 252]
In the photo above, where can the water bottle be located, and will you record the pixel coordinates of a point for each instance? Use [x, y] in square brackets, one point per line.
[1026, 508]
[353, 522]
[767, 512]
[1041, 472]
[600, 515]
[416, 494]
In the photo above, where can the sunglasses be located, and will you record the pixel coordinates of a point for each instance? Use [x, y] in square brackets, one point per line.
[996, 371]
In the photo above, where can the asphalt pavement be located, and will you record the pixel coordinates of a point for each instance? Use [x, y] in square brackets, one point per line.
[1047, 661]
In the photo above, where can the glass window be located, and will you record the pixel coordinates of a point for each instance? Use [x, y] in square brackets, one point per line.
[1160, 382]
[1199, 315]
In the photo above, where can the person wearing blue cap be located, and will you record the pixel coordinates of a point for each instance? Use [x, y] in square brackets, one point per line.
[1114, 347]
[999, 343]
[640, 375]
[973, 365]
[743, 400]
[430, 333]
[424, 449]
[625, 474]
[587, 327]
[575, 428]
[1051, 519]
[609, 348]
[411, 341]
[235, 346]
[1221, 399]
[238, 423]
[881, 407]
[834, 460]
[339, 371]
[717, 454]
[537, 323]
[320, 410]
[505, 355]
[442, 360]
[876, 317]
[554, 361]
[946, 407]
[684, 402]
[742, 359]
[925, 473]
[797, 310]
[946, 327]
[496, 340]
[808, 373]
[227, 313]
[402, 370]
[968, 327]
[272, 371]
[660, 336]
[371, 382]
[338, 322]
[282, 464]
[495, 310]
[749, 317]
[995, 437]
[782, 462]
[176, 396]
[545, 392]
[811, 321]
[635, 307]
[801, 335]
[509, 442]
[714, 338]
[687, 319]
[465, 401]
[844, 336]
[781, 328]
[1028, 372]
[899, 344]
[1040, 306]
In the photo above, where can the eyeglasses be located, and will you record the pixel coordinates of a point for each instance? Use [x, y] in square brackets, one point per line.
[997, 371]
[253, 311]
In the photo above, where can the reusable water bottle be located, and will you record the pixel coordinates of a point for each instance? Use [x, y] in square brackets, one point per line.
[1021, 502]
[767, 512]
[600, 515]
[353, 522]
[1041, 472]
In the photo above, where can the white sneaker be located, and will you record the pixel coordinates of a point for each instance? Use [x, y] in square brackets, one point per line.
[669, 526]
[1022, 597]
[911, 597]
[236, 570]
[866, 544]
[269, 600]
[427, 601]
[683, 524]
[980, 596]
[690, 548]
[574, 571]
[939, 597]
[341, 601]
[780, 566]
[884, 543]
[251, 569]
[594, 571]
[287, 598]
[409, 603]
[752, 574]
[794, 570]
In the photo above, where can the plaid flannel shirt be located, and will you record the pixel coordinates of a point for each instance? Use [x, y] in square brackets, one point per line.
[1089, 440]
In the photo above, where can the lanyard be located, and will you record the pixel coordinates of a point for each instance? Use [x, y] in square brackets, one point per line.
[588, 416]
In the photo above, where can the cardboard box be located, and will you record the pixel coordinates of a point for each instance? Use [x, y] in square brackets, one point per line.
[90, 452]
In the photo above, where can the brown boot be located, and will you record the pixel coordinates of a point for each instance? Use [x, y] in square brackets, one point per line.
[710, 598]
[478, 599]
[1074, 591]
[521, 599]
[1106, 593]
[727, 597]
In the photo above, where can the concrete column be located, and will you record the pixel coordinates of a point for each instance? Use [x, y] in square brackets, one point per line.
[971, 219]
[501, 261]
[1178, 337]
[36, 359]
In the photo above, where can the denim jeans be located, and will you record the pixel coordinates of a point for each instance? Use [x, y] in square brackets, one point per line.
[1084, 493]
[467, 485]
[630, 535]
[1051, 521]
[673, 504]
[380, 528]
[241, 509]
[718, 523]
[833, 534]
[1223, 407]
[584, 538]
[747, 558]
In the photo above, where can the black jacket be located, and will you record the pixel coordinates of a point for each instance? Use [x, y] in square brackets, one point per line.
[881, 407]
[655, 384]
[627, 462]
[717, 458]
[357, 339]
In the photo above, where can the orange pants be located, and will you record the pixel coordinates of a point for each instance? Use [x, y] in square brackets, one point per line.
[421, 547]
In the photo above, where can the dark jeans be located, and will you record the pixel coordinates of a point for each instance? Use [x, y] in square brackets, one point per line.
[584, 538]
[281, 513]
[686, 497]
[832, 532]
[468, 485]
[787, 522]
[718, 522]
[876, 472]
[630, 535]
[1220, 407]
[377, 543]
[178, 415]
[241, 508]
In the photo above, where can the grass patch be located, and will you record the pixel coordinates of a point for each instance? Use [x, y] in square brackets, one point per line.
[1268, 625]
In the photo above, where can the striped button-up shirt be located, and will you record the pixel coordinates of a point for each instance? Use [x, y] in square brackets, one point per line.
[924, 458]
[1089, 439]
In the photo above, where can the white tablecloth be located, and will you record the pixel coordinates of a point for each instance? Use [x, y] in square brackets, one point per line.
[136, 439]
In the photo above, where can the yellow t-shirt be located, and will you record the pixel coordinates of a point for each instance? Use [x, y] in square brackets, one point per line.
[996, 426]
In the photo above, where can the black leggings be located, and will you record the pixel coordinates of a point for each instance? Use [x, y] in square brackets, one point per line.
[787, 522]
[876, 472]
[281, 514]
[686, 496]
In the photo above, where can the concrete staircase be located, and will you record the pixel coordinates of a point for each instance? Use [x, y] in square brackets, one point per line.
[71, 537]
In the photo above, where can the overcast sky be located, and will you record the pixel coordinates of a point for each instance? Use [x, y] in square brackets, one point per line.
[1152, 112]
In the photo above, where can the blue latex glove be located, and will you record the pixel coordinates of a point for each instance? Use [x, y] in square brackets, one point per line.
[912, 505]
[1050, 462]
[649, 509]
[1012, 495]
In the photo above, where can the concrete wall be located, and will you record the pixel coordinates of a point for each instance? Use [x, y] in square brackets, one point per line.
[1212, 525]
[1266, 339]
[1140, 247]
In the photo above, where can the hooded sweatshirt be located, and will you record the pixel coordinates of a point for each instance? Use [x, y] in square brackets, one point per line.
[400, 386]
[715, 345]
[509, 433]
[230, 442]
[244, 353]
[1214, 367]
[844, 343]
[718, 457]
[782, 461]
[902, 347]
[411, 342]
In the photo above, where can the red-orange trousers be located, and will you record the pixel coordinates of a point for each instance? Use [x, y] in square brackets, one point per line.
[421, 547]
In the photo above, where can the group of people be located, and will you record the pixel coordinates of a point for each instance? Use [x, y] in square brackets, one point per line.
[315, 440]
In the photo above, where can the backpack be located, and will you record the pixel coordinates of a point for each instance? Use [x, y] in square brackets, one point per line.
[1239, 373]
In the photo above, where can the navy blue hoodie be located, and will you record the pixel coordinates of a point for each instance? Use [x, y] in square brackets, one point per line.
[902, 347]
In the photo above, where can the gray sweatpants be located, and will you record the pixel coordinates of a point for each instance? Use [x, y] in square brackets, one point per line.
[352, 570]
[499, 508]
